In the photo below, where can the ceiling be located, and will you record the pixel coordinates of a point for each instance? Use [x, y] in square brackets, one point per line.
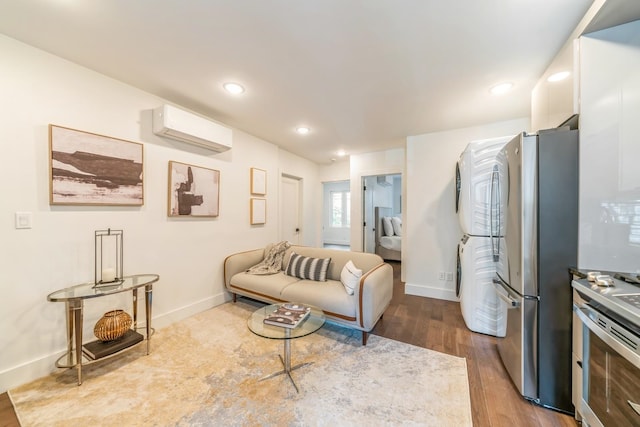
[362, 74]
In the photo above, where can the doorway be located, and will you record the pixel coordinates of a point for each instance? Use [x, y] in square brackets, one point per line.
[336, 215]
[383, 191]
[290, 209]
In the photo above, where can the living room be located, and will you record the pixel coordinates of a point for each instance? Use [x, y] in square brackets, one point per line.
[57, 248]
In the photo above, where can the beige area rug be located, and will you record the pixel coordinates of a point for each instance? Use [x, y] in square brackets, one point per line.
[204, 371]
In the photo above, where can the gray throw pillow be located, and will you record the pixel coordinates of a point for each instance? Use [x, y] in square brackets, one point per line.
[308, 268]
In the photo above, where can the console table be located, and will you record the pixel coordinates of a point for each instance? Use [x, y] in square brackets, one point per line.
[74, 297]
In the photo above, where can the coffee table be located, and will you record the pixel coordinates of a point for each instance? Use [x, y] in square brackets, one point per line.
[311, 324]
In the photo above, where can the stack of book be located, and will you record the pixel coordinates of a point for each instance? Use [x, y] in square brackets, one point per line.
[288, 315]
[99, 349]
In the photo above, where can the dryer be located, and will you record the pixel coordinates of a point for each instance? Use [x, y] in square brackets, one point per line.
[474, 171]
[481, 308]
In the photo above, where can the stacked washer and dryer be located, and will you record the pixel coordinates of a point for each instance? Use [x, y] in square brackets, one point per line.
[479, 302]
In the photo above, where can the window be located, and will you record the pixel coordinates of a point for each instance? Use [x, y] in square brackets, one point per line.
[340, 209]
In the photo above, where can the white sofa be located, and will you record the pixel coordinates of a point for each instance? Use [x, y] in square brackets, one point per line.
[361, 311]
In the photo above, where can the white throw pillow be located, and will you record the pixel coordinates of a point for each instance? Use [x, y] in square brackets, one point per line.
[350, 277]
[387, 226]
[397, 225]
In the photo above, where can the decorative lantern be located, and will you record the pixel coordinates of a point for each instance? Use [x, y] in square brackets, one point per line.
[108, 257]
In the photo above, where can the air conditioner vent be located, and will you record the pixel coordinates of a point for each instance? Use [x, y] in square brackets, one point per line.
[174, 123]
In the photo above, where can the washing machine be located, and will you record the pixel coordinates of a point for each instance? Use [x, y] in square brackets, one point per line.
[474, 172]
[481, 307]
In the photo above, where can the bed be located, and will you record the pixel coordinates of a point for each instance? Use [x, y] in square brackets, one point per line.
[388, 234]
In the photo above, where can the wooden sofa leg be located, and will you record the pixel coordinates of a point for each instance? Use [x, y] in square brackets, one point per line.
[365, 335]
[235, 297]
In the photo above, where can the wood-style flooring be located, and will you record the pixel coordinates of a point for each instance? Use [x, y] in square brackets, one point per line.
[438, 325]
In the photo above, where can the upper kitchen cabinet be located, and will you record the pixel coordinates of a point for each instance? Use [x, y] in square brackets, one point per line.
[555, 97]
[553, 100]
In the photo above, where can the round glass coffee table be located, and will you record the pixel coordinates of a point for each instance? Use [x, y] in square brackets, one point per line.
[308, 326]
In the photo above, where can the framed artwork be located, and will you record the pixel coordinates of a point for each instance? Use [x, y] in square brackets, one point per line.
[258, 211]
[193, 190]
[90, 169]
[258, 181]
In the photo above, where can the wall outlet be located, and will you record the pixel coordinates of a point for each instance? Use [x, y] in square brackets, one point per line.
[449, 276]
[441, 275]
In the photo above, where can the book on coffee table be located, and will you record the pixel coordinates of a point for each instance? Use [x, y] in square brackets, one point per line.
[288, 315]
[98, 349]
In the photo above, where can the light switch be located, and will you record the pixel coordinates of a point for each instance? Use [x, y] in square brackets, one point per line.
[23, 220]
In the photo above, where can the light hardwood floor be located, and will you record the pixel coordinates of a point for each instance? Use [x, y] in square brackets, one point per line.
[438, 325]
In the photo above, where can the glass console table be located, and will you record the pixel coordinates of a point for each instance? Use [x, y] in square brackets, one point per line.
[74, 297]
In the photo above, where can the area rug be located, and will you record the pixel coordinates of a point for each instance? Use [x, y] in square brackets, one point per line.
[205, 371]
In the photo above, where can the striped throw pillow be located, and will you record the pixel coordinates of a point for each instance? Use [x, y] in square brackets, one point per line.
[308, 268]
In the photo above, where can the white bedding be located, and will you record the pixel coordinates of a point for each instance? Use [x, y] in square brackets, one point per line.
[391, 242]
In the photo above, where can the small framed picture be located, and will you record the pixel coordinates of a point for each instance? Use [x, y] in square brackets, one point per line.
[193, 190]
[258, 181]
[258, 211]
[91, 169]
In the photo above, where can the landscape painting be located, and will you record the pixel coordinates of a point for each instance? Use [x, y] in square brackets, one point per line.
[92, 169]
[193, 190]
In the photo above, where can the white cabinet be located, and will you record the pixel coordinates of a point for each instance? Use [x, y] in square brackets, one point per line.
[552, 102]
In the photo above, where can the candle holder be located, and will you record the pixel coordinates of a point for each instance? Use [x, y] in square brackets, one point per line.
[108, 257]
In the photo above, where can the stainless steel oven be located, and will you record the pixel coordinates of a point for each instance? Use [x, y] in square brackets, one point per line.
[611, 367]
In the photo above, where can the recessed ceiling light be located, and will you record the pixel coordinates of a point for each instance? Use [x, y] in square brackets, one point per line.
[556, 77]
[341, 153]
[501, 89]
[303, 130]
[233, 88]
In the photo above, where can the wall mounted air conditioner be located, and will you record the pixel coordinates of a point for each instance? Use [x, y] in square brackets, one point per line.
[174, 123]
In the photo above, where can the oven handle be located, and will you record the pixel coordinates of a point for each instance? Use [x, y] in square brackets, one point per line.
[582, 313]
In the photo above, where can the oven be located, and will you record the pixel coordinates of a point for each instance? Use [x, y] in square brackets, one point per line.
[610, 367]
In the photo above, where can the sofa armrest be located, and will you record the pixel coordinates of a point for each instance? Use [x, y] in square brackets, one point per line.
[239, 262]
[374, 295]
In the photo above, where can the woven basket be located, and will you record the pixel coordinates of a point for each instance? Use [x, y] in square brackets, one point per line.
[112, 325]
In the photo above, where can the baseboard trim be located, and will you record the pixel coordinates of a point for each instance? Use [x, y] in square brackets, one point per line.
[37, 368]
[430, 292]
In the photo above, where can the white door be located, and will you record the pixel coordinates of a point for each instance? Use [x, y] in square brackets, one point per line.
[290, 209]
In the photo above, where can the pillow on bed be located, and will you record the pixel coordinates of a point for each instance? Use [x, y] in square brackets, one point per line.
[397, 225]
[308, 268]
[387, 226]
[350, 277]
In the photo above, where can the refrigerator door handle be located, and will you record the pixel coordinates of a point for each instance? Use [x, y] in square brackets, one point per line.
[511, 303]
[492, 207]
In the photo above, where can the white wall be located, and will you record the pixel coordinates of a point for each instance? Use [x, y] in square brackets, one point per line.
[431, 229]
[38, 89]
[336, 171]
[610, 149]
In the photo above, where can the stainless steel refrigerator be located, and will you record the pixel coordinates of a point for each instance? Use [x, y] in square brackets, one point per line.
[536, 184]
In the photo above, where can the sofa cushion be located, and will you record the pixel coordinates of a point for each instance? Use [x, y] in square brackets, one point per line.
[307, 267]
[329, 295]
[350, 277]
[270, 286]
